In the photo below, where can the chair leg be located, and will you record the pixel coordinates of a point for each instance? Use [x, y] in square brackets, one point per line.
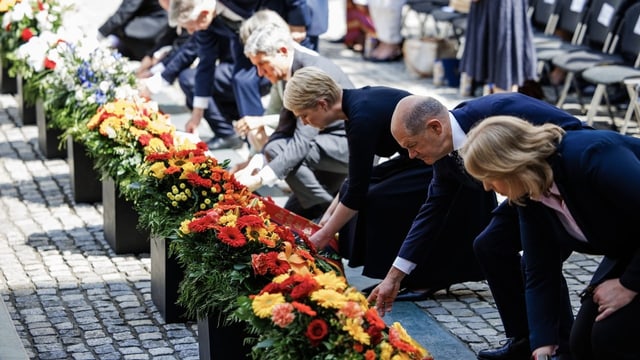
[595, 103]
[565, 90]
[610, 111]
[634, 107]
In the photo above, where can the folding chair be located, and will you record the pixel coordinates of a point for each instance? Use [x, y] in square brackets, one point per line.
[597, 34]
[423, 8]
[626, 44]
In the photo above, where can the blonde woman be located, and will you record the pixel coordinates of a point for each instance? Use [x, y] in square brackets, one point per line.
[575, 191]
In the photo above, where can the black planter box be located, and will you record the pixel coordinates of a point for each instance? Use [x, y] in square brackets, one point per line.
[8, 84]
[166, 275]
[222, 342]
[86, 186]
[48, 138]
[26, 112]
[121, 222]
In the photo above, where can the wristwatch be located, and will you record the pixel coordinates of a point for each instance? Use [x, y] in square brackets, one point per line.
[543, 357]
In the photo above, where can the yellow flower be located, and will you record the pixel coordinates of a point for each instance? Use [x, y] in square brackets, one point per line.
[263, 304]
[187, 168]
[184, 226]
[328, 298]
[5, 5]
[408, 339]
[155, 146]
[157, 170]
[228, 219]
[386, 350]
[354, 328]
[280, 278]
[331, 281]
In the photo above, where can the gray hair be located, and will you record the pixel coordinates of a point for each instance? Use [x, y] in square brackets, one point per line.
[259, 20]
[181, 11]
[426, 108]
[268, 40]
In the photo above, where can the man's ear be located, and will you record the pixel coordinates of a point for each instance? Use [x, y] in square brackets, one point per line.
[434, 125]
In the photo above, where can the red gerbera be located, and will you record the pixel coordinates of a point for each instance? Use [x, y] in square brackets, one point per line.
[316, 331]
[172, 170]
[232, 236]
[197, 180]
[167, 139]
[250, 220]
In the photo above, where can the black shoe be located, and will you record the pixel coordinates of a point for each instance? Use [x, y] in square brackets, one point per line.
[229, 142]
[407, 294]
[513, 349]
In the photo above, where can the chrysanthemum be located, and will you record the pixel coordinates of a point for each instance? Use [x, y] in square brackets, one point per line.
[283, 315]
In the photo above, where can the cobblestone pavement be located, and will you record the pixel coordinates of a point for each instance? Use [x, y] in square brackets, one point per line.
[71, 297]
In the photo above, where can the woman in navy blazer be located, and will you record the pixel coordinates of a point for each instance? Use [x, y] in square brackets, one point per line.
[576, 191]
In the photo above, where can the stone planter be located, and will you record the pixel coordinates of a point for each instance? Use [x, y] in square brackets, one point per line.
[221, 342]
[166, 275]
[48, 138]
[26, 112]
[8, 84]
[86, 186]
[121, 222]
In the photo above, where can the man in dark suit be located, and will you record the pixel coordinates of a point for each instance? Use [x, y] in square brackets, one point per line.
[135, 27]
[430, 132]
[313, 162]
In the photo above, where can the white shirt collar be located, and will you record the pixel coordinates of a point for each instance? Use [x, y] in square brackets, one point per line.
[459, 136]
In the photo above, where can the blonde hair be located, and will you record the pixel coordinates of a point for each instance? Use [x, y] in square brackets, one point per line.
[513, 150]
[307, 86]
[260, 20]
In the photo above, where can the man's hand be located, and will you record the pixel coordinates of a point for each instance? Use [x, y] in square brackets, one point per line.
[610, 296]
[385, 293]
[192, 125]
[252, 182]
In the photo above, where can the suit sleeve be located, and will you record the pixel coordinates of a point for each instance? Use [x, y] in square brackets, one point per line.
[119, 19]
[430, 220]
[184, 56]
[296, 150]
[208, 52]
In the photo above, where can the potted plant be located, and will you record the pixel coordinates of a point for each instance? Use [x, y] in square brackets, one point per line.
[86, 76]
[175, 185]
[318, 316]
[118, 137]
[229, 251]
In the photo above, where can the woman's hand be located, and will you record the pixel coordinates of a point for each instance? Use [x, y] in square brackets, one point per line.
[610, 296]
[321, 238]
[545, 350]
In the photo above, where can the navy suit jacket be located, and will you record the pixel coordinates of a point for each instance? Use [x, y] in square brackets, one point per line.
[449, 174]
[331, 139]
[597, 174]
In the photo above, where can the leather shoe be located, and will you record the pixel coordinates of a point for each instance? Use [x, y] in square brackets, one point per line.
[229, 142]
[513, 349]
[407, 294]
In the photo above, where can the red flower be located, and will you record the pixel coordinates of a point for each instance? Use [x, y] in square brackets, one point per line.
[49, 64]
[304, 289]
[250, 220]
[232, 236]
[196, 180]
[26, 34]
[370, 355]
[40, 5]
[398, 343]
[167, 139]
[172, 170]
[304, 308]
[144, 139]
[140, 123]
[316, 331]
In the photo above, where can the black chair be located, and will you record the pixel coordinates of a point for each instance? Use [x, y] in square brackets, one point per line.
[423, 9]
[595, 39]
[567, 20]
[541, 14]
[626, 46]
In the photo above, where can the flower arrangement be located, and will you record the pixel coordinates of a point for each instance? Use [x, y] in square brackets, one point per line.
[318, 316]
[85, 77]
[233, 250]
[27, 18]
[177, 184]
[122, 133]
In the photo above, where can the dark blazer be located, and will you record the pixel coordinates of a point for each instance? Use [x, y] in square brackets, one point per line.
[330, 140]
[369, 112]
[138, 19]
[180, 58]
[449, 173]
[597, 174]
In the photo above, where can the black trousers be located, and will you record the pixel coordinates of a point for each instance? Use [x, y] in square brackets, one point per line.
[613, 338]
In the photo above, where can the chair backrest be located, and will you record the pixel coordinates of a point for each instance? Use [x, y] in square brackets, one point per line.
[569, 16]
[627, 39]
[601, 23]
[540, 12]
